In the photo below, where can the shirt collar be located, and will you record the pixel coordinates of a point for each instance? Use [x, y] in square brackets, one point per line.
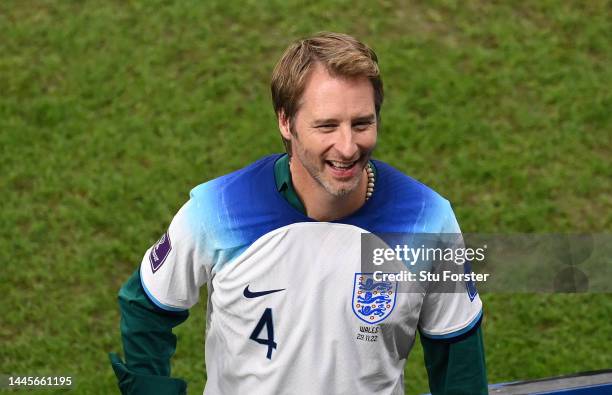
[282, 175]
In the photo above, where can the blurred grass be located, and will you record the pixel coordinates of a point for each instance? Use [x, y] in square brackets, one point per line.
[111, 111]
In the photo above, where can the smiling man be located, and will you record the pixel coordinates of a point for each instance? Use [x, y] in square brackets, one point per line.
[278, 246]
[338, 129]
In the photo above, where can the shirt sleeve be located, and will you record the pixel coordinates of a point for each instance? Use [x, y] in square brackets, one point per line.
[458, 366]
[148, 344]
[174, 269]
[154, 300]
[450, 309]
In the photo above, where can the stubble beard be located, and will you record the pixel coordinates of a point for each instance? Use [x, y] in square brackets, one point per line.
[318, 175]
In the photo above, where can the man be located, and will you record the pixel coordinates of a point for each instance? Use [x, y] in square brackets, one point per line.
[278, 246]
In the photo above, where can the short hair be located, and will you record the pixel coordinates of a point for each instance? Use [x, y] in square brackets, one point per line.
[341, 55]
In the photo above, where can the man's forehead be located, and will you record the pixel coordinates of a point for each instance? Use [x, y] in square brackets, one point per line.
[326, 93]
[320, 77]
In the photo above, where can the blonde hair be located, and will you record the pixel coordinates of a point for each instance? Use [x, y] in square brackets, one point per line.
[341, 54]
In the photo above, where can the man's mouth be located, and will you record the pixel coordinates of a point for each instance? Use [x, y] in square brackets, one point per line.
[341, 165]
[343, 169]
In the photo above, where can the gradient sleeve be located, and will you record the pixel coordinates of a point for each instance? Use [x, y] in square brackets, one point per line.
[174, 269]
[450, 309]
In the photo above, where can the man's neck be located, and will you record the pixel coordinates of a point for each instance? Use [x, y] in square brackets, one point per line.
[320, 204]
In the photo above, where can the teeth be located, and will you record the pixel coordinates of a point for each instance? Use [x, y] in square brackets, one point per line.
[341, 165]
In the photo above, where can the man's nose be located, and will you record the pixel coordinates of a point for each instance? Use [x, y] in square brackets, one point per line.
[345, 142]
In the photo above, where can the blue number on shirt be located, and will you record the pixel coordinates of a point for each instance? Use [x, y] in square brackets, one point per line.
[265, 320]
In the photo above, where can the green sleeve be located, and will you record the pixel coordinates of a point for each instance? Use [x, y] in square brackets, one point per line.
[456, 367]
[148, 343]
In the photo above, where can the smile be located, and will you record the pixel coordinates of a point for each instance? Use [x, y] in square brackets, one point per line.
[343, 169]
[341, 165]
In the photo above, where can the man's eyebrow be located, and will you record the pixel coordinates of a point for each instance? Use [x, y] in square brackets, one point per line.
[324, 121]
[365, 118]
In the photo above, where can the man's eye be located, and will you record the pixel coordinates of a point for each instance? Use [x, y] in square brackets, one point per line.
[326, 127]
[361, 126]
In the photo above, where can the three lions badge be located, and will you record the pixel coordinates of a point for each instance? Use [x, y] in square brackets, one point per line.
[373, 301]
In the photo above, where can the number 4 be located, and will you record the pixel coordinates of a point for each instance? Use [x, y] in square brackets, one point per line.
[265, 320]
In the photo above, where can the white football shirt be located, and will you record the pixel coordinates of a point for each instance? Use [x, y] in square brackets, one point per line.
[289, 309]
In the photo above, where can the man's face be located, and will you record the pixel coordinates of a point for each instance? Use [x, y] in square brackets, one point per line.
[334, 131]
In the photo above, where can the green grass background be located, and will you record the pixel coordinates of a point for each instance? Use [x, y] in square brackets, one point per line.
[111, 111]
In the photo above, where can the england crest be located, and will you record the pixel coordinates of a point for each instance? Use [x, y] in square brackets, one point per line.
[373, 301]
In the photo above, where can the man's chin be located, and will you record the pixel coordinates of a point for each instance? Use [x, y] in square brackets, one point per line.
[341, 189]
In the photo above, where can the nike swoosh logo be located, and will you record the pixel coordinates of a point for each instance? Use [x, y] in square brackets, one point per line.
[250, 294]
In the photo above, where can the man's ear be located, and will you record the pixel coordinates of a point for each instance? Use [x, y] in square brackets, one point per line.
[284, 125]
